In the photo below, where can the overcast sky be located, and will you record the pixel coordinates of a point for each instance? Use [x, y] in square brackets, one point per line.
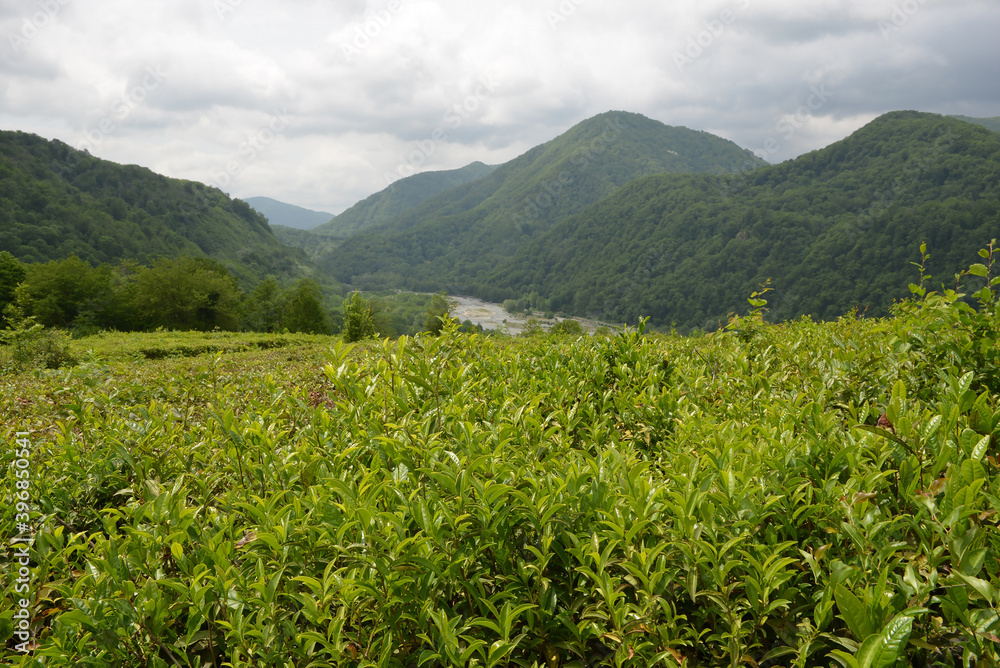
[321, 104]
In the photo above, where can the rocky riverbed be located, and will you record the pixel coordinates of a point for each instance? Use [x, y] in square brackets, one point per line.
[493, 316]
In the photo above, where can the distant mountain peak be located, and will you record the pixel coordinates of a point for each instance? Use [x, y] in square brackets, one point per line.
[289, 215]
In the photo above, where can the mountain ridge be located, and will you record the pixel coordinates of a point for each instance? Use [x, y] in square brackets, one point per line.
[834, 228]
[287, 215]
[426, 247]
[57, 201]
[400, 196]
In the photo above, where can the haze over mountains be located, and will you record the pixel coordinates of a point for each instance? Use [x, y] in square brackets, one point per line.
[288, 215]
[620, 217]
[399, 196]
[452, 237]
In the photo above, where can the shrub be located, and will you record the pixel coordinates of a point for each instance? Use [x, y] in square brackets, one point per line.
[32, 346]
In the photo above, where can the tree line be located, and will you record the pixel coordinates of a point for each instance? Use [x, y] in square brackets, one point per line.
[184, 293]
[194, 293]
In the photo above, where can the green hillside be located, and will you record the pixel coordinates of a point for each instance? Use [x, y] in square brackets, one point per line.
[56, 201]
[988, 123]
[833, 229]
[400, 196]
[289, 215]
[466, 231]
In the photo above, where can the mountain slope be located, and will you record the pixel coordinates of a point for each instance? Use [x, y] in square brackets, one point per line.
[56, 201]
[458, 234]
[833, 229]
[403, 194]
[289, 215]
[992, 123]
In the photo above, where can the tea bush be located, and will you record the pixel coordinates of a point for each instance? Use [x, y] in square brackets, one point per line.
[802, 494]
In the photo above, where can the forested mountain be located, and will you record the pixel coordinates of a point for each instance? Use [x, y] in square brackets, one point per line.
[288, 215]
[992, 123]
[832, 229]
[399, 196]
[466, 231]
[56, 201]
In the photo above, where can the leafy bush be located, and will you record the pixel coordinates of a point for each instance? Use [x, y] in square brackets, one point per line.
[359, 323]
[32, 346]
[810, 494]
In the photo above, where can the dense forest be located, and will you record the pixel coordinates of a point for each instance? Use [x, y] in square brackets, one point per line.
[56, 201]
[459, 233]
[190, 294]
[402, 194]
[834, 229]
[619, 218]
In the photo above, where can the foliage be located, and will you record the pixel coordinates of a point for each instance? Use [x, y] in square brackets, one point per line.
[567, 328]
[437, 313]
[988, 123]
[264, 307]
[56, 202]
[304, 308]
[176, 293]
[834, 229]
[58, 292]
[29, 345]
[815, 494]
[451, 237]
[401, 195]
[359, 323]
[187, 293]
[11, 274]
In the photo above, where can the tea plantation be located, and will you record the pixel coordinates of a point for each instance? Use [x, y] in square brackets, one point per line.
[797, 494]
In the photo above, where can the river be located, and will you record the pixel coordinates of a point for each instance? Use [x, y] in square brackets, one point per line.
[493, 316]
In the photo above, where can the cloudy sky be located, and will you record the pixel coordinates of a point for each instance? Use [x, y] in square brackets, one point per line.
[321, 103]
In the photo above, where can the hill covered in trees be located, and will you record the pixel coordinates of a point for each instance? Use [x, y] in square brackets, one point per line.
[457, 234]
[992, 123]
[288, 215]
[833, 229]
[401, 195]
[56, 201]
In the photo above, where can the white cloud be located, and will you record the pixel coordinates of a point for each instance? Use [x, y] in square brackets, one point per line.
[365, 84]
